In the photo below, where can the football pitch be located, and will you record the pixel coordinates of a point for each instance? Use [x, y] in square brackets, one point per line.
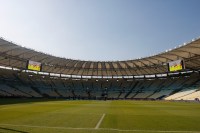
[122, 116]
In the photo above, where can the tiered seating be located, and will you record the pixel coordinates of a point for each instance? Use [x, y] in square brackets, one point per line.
[28, 90]
[96, 90]
[114, 90]
[146, 90]
[80, 90]
[161, 93]
[192, 96]
[124, 89]
[3, 93]
[179, 95]
[22, 84]
[135, 89]
[48, 91]
[12, 91]
[167, 88]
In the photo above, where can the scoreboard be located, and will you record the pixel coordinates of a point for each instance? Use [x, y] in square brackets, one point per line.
[33, 65]
[176, 65]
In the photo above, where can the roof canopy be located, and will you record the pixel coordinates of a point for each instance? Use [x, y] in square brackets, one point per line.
[16, 56]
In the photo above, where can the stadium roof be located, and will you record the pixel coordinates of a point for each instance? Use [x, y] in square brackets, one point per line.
[16, 56]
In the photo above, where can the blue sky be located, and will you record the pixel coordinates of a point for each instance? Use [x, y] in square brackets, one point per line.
[103, 30]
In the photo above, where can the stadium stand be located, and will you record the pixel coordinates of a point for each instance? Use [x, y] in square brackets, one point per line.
[145, 78]
[181, 88]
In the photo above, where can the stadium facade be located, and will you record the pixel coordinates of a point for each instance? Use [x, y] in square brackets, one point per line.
[171, 75]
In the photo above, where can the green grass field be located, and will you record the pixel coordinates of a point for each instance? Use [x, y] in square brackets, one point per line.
[36, 116]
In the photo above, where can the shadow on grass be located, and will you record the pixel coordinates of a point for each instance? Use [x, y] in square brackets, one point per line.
[12, 130]
[5, 101]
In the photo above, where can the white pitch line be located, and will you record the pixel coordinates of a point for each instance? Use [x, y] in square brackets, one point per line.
[32, 126]
[99, 122]
[9, 107]
[105, 129]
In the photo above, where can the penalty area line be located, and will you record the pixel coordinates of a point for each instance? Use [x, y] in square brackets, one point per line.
[100, 121]
[104, 129]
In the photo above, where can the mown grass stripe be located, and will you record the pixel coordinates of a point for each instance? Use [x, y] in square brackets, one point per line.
[105, 129]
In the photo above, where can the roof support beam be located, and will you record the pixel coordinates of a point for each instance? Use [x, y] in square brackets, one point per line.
[186, 51]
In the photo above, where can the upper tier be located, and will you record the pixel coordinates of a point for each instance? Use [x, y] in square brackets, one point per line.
[16, 56]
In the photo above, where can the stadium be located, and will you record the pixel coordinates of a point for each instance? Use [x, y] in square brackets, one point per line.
[99, 66]
[171, 75]
[43, 93]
